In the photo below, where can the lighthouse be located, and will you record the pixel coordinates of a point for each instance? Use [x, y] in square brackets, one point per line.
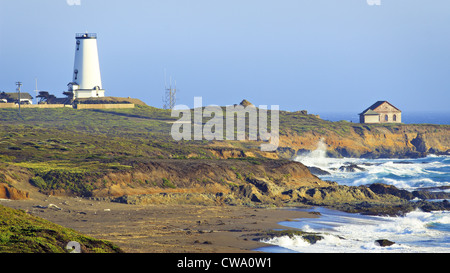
[86, 81]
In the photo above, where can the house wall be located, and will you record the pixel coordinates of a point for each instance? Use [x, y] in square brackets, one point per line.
[389, 117]
[387, 113]
[370, 119]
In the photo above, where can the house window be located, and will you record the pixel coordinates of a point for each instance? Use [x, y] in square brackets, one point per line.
[394, 117]
[386, 118]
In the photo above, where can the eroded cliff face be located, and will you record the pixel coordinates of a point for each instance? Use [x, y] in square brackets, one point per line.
[10, 178]
[396, 141]
[234, 181]
[9, 192]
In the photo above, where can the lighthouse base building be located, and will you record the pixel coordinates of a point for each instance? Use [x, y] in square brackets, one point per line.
[85, 93]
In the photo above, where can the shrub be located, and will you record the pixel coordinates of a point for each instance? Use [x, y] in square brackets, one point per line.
[168, 184]
[38, 182]
[239, 176]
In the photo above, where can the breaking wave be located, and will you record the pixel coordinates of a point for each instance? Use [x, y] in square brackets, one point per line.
[417, 231]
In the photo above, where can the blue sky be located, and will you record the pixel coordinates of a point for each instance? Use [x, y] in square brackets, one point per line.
[318, 55]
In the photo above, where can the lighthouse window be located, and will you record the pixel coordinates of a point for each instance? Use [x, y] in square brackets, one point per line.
[76, 74]
[78, 45]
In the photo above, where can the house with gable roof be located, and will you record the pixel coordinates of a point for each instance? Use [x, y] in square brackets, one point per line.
[381, 112]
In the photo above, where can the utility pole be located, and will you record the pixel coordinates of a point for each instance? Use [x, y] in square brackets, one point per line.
[19, 84]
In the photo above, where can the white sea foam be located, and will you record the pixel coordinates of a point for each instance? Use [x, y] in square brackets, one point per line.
[409, 174]
[416, 232]
[316, 158]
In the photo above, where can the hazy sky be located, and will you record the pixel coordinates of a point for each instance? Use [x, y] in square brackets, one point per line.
[319, 55]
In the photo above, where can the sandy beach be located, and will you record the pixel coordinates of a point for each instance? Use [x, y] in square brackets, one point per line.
[161, 228]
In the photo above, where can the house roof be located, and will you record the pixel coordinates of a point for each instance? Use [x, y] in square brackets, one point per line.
[23, 96]
[370, 110]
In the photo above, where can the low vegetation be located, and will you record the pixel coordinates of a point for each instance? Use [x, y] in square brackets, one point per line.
[79, 152]
[21, 232]
[69, 149]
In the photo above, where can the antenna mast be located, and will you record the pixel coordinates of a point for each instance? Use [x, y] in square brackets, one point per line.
[36, 90]
[169, 98]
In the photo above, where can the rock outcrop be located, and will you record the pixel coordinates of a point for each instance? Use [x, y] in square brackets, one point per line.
[11, 181]
[384, 242]
[255, 183]
[9, 192]
[369, 141]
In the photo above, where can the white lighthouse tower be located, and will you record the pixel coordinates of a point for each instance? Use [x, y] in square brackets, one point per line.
[87, 81]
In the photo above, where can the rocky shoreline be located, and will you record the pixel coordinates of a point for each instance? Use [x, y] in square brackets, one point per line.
[126, 159]
[254, 183]
[231, 216]
[376, 199]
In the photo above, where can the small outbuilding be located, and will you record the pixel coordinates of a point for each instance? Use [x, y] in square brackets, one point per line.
[25, 98]
[381, 112]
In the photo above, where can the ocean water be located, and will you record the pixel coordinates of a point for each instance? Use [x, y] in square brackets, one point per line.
[417, 231]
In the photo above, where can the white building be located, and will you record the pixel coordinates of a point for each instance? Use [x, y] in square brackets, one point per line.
[25, 98]
[87, 81]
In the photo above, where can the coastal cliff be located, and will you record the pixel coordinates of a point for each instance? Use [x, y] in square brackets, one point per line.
[126, 155]
[344, 139]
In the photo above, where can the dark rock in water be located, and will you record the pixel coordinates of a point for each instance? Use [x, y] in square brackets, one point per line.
[432, 193]
[311, 238]
[379, 188]
[315, 213]
[371, 164]
[443, 188]
[403, 162]
[427, 206]
[384, 242]
[424, 194]
[317, 171]
[351, 168]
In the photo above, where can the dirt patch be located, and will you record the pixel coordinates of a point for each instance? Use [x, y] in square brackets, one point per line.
[162, 228]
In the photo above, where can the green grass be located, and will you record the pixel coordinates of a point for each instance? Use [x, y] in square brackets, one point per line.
[24, 233]
[66, 147]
